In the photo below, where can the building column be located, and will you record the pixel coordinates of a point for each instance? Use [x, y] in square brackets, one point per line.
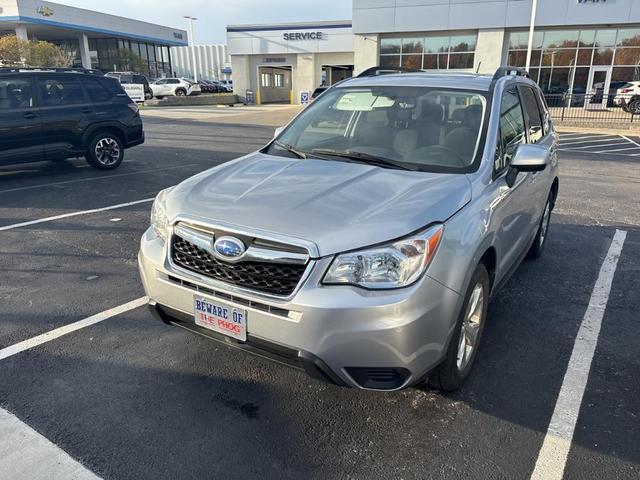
[366, 52]
[21, 32]
[489, 50]
[303, 76]
[85, 54]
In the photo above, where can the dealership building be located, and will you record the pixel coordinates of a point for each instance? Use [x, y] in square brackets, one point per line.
[577, 43]
[97, 40]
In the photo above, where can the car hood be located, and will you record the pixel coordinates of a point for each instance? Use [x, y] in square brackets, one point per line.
[337, 206]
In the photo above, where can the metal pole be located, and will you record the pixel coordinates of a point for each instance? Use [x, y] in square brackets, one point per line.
[534, 10]
[192, 47]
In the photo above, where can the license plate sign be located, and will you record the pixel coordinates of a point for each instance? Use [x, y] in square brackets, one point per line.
[221, 318]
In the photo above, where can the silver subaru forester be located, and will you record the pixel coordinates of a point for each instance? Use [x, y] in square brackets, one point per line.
[364, 242]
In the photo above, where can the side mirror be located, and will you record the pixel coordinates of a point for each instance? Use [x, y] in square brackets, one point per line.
[278, 131]
[528, 158]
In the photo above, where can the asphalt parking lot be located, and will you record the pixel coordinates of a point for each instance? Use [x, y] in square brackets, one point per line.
[130, 398]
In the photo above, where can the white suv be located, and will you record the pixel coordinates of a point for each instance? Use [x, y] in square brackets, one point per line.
[174, 87]
[628, 97]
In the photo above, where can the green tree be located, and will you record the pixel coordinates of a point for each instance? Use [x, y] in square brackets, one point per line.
[25, 53]
[127, 61]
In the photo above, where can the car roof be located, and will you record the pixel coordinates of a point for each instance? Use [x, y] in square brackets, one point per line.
[423, 79]
[463, 81]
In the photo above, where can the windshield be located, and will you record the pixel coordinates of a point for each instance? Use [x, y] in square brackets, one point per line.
[428, 129]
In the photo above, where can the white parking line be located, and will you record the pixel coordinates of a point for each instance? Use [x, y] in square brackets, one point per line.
[565, 137]
[91, 179]
[552, 457]
[629, 140]
[619, 150]
[73, 214]
[618, 144]
[72, 327]
[27, 455]
[582, 142]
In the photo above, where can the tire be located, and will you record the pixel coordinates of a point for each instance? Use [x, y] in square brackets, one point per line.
[181, 92]
[543, 231]
[105, 151]
[461, 354]
[159, 97]
[625, 108]
[634, 107]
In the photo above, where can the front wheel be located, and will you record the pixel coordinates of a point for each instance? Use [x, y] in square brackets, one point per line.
[463, 347]
[105, 151]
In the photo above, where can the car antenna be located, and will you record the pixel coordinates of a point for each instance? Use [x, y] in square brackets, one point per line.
[479, 65]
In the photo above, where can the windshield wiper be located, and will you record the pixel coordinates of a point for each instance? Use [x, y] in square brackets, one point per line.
[364, 158]
[289, 148]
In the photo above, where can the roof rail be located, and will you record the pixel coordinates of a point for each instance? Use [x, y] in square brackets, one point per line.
[378, 70]
[509, 71]
[50, 69]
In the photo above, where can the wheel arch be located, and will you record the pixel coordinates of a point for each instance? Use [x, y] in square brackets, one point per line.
[112, 128]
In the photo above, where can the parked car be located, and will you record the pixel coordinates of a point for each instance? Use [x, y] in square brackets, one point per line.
[228, 84]
[365, 241]
[133, 78]
[598, 96]
[55, 114]
[628, 97]
[174, 87]
[211, 86]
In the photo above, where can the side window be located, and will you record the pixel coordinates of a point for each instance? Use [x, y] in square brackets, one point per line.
[546, 116]
[534, 117]
[60, 91]
[97, 92]
[512, 129]
[161, 82]
[15, 93]
[174, 81]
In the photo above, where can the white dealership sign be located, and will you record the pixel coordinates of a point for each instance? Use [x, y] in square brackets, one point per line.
[135, 91]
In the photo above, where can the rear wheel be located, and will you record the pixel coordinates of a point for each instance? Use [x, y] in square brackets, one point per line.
[159, 97]
[463, 347]
[181, 92]
[105, 151]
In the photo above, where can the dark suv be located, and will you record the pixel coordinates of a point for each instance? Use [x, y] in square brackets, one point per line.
[56, 114]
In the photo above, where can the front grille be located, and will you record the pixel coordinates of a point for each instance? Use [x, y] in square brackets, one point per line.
[265, 277]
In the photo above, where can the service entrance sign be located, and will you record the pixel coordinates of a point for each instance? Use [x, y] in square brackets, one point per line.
[135, 91]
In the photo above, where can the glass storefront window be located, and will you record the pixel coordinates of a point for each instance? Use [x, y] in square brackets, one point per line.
[561, 39]
[412, 62]
[412, 45]
[390, 61]
[625, 74]
[584, 56]
[437, 44]
[463, 43]
[587, 38]
[603, 56]
[520, 40]
[436, 61]
[606, 38]
[629, 37]
[559, 57]
[627, 56]
[390, 45]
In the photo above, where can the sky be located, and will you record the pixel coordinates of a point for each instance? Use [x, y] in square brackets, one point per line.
[214, 16]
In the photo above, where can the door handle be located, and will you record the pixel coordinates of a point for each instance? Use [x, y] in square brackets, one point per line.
[87, 110]
[30, 115]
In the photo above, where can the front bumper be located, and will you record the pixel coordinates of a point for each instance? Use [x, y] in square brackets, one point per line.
[380, 340]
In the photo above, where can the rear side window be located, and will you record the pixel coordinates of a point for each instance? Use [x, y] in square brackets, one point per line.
[16, 93]
[512, 129]
[111, 84]
[60, 91]
[96, 91]
[139, 79]
[534, 116]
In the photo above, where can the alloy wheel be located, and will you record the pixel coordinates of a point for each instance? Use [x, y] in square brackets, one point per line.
[544, 227]
[107, 151]
[470, 327]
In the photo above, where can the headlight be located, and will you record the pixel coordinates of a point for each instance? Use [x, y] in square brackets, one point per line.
[159, 219]
[394, 265]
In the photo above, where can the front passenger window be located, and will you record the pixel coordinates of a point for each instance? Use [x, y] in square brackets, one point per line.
[512, 129]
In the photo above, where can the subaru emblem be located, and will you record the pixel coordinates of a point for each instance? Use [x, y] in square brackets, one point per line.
[229, 248]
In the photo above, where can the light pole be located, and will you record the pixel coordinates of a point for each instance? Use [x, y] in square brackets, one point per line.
[193, 48]
[534, 10]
